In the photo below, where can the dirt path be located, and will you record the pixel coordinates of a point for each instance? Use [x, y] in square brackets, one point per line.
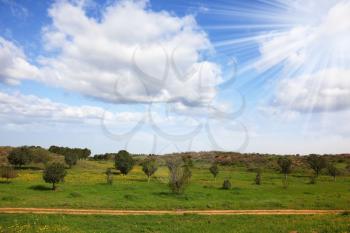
[162, 212]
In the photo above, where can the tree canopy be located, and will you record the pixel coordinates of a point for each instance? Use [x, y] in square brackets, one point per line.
[124, 162]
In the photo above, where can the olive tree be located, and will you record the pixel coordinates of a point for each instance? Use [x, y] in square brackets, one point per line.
[285, 165]
[179, 175]
[109, 176]
[149, 167]
[317, 163]
[20, 156]
[214, 170]
[124, 162]
[333, 171]
[227, 184]
[54, 173]
[258, 177]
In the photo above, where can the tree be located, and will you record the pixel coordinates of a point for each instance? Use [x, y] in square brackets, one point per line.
[214, 170]
[226, 185]
[109, 175]
[317, 163]
[71, 159]
[20, 156]
[258, 177]
[179, 175]
[54, 173]
[80, 153]
[124, 162]
[285, 165]
[149, 167]
[7, 172]
[333, 171]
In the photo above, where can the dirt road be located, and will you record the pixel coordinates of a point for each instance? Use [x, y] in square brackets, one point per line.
[162, 212]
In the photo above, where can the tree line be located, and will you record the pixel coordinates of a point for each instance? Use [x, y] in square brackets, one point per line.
[78, 152]
[179, 167]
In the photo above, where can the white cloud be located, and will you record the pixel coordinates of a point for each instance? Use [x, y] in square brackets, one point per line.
[13, 64]
[320, 41]
[326, 90]
[132, 54]
[18, 109]
[315, 55]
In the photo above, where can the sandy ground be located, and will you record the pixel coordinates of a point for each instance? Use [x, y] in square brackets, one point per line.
[162, 212]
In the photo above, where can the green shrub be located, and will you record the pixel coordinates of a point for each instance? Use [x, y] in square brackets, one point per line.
[316, 163]
[20, 156]
[149, 167]
[333, 171]
[214, 170]
[124, 162]
[179, 175]
[258, 177]
[54, 173]
[109, 176]
[226, 185]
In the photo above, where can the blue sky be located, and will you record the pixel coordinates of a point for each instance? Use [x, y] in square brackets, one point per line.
[168, 76]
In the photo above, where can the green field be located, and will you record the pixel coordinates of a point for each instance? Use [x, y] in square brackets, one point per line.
[85, 187]
[182, 224]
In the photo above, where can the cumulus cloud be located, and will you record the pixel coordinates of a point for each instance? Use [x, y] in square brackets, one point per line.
[326, 90]
[17, 108]
[311, 45]
[130, 54]
[315, 56]
[14, 65]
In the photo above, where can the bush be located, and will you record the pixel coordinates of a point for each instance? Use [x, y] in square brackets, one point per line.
[258, 177]
[179, 175]
[285, 165]
[149, 167]
[214, 170]
[20, 156]
[317, 163]
[80, 153]
[71, 159]
[226, 185]
[333, 171]
[8, 172]
[54, 173]
[124, 162]
[109, 176]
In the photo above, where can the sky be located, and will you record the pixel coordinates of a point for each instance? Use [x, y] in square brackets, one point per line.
[266, 76]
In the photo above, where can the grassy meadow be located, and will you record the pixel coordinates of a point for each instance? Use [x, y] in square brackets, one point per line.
[85, 187]
[174, 224]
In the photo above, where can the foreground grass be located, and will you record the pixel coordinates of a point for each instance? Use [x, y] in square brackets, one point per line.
[85, 187]
[182, 224]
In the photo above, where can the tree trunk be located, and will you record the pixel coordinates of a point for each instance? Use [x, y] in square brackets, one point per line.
[53, 186]
[285, 176]
[334, 178]
[148, 179]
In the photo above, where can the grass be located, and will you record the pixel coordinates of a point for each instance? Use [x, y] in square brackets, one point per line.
[85, 187]
[182, 224]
